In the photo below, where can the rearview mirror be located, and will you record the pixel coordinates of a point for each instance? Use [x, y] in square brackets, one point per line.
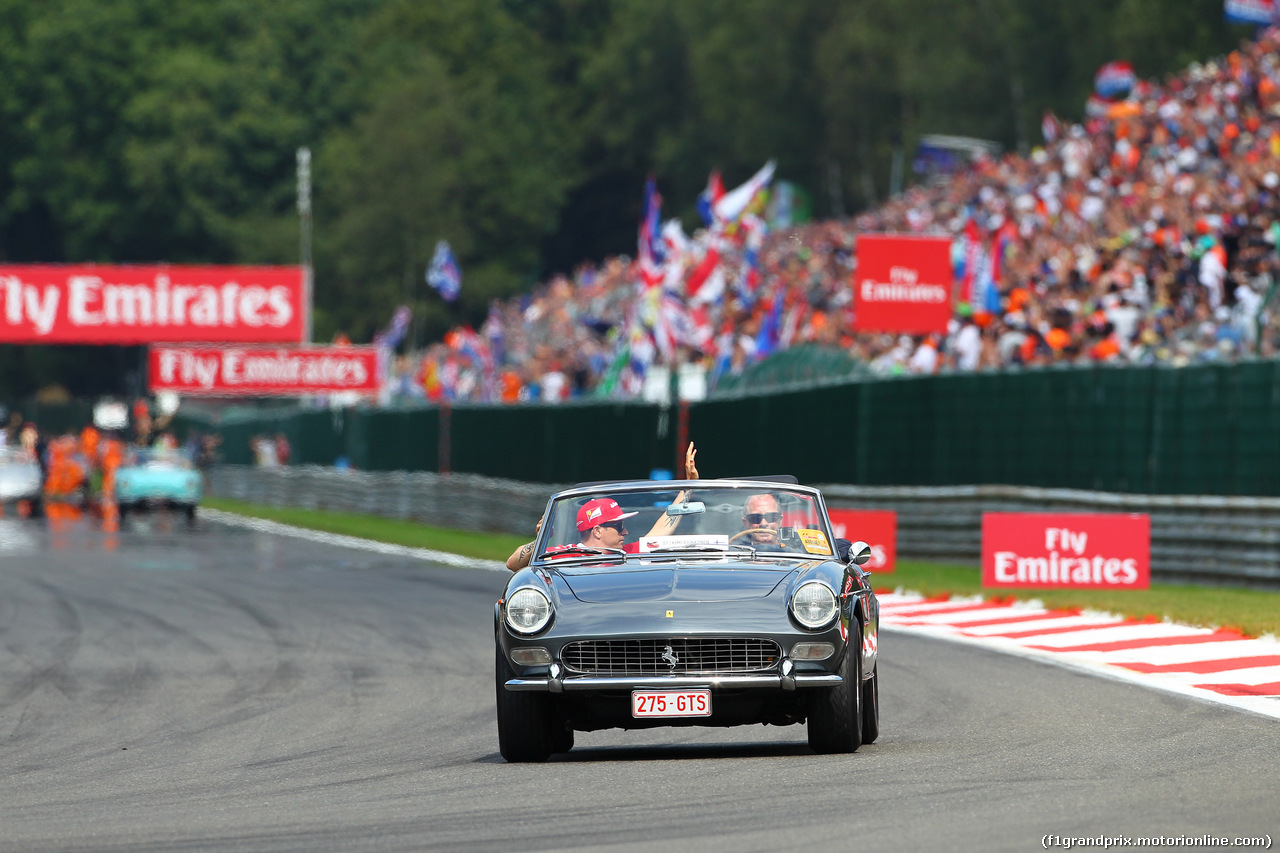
[856, 553]
[687, 508]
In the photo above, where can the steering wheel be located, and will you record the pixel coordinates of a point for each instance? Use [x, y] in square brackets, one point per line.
[768, 531]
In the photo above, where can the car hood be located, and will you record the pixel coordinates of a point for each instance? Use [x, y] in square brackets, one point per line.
[681, 583]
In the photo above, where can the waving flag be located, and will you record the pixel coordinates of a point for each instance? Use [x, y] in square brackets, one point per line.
[999, 248]
[767, 337]
[391, 336]
[699, 276]
[1261, 12]
[1114, 79]
[1050, 127]
[971, 260]
[443, 273]
[709, 198]
[732, 205]
[672, 326]
[651, 253]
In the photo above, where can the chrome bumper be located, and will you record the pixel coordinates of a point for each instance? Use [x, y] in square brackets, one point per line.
[673, 682]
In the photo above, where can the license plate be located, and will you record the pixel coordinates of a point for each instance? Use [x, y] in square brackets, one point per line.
[671, 703]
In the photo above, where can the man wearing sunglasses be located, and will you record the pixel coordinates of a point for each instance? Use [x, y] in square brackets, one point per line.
[763, 517]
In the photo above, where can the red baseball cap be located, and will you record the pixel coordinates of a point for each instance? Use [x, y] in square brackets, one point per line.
[600, 511]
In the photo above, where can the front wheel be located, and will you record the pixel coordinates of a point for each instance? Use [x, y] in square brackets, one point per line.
[525, 720]
[835, 714]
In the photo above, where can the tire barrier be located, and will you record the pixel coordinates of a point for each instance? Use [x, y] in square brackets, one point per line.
[1227, 540]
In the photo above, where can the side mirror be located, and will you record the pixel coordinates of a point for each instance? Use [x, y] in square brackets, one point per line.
[856, 553]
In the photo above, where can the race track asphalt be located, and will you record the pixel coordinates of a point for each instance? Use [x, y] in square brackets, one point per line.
[219, 688]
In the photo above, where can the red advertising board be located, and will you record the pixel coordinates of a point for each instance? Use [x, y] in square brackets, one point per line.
[877, 527]
[902, 284]
[262, 371]
[1031, 549]
[88, 304]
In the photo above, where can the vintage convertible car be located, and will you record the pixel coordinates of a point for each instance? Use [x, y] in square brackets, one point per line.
[720, 615]
[154, 479]
[20, 479]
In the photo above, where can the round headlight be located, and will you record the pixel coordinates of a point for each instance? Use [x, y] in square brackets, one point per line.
[528, 610]
[814, 604]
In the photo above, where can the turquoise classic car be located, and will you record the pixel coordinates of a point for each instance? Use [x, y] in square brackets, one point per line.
[158, 479]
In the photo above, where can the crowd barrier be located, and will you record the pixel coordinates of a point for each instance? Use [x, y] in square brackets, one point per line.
[1227, 540]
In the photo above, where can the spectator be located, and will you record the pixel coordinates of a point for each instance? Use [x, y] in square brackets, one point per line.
[284, 451]
[1122, 239]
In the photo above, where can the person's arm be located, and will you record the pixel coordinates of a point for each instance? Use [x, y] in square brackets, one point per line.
[666, 524]
[523, 555]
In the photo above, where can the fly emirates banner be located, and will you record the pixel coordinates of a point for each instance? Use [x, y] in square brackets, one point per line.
[263, 371]
[1079, 550]
[90, 304]
[902, 284]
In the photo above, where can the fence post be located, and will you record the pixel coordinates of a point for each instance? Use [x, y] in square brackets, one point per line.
[682, 439]
[445, 417]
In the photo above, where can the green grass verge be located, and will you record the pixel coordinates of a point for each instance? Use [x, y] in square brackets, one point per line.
[1251, 612]
[485, 546]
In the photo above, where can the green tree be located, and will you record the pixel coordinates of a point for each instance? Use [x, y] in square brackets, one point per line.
[464, 138]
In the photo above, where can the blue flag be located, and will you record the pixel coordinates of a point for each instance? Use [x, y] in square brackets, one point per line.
[443, 274]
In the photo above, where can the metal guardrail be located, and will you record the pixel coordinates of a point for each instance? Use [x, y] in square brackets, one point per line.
[460, 501]
[1233, 540]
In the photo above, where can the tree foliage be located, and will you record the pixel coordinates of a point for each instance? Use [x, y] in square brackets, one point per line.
[521, 131]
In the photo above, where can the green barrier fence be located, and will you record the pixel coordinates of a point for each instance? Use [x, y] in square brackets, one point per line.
[1208, 429]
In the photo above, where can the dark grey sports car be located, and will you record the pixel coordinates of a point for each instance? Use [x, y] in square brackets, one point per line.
[737, 606]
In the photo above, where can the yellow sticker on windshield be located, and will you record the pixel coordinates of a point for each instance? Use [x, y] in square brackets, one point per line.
[814, 541]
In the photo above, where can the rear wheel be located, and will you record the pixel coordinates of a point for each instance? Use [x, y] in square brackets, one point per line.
[835, 714]
[871, 706]
[525, 720]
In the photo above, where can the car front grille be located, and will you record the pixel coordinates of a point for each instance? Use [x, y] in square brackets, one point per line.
[702, 656]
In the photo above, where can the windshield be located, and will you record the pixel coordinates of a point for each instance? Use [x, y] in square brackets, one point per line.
[15, 456]
[160, 458]
[766, 517]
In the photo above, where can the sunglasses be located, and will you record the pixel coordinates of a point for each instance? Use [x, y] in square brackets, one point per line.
[616, 525]
[757, 517]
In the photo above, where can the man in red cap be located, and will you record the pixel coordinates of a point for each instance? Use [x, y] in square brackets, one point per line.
[601, 523]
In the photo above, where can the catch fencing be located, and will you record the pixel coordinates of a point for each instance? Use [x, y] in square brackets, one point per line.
[1227, 540]
[1201, 430]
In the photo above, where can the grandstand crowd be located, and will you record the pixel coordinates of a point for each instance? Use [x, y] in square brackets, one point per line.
[1147, 233]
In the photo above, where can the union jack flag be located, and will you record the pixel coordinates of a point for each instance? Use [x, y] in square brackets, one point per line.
[652, 254]
[444, 274]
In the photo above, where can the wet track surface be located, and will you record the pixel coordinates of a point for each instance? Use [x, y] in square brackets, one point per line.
[225, 689]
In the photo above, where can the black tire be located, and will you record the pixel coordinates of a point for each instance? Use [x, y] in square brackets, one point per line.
[835, 714]
[562, 739]
[190, 513]
[525, 720]
[871, 706]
